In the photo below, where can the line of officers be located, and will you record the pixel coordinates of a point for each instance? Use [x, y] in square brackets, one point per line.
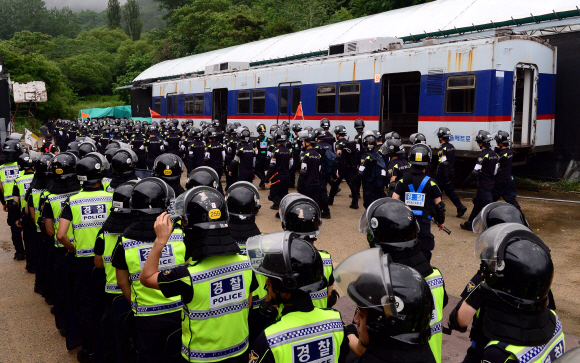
[187, 275]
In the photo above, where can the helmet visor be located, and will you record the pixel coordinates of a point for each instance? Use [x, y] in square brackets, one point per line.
[363, 223]
[269, 254]
[246, 185]
[291, 199]
[489, 242]
[366, 278]
[208, 170]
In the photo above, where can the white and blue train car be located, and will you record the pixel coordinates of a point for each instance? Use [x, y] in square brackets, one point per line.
[501, 82]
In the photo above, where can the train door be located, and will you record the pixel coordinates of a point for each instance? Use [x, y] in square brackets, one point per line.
[289, 97]
[400, 103]
[524, 105]
[171, 104]
[220, 106]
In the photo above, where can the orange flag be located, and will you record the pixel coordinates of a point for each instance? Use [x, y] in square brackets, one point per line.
[299, 112]
[153, 113]
[84, 115]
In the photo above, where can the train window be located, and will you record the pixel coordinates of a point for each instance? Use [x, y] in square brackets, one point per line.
[243, 102]
[349, 98]
[157, 105]
[460, 94]
[259, 101]
[283, 101]
[296, 94]
[198, 104]
[188, 105]
[326, 98]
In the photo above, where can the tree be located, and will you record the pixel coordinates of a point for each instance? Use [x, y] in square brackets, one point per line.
[133, 23]
[114, 14]
[86, 75]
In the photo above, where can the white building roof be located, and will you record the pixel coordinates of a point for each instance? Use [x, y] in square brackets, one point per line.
[433, 18]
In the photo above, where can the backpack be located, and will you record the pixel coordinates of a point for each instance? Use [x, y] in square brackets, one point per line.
[379, 175]
[328, 161]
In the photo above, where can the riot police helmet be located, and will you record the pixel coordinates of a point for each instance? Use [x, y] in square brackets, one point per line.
[502, 137]
[393, 146]
[63, 166]
[113, 145]
[392, 135]
[292, 264]
[359, 124]
[325, 123]
[42, 163]
[396, 297]
[92, 168]
[296, 128]
[300, 214]
[237, 124]
[86, 148]
[496, 213]
[123, 162]
[340, 130]
[122, 197]
[27, 160]
[168, 167]
[260, 128]
[151, 196]
[443, 133]
[243, 201]
[369, 140]
[483, 137]
[230, 129]
[308, 136]
[212, 133]
[196, 133]
[280, 136]
[244, 134]
[420, 155]
[73, 147]
[390, 224]
[203, 176]
[273, 130]
[418, 138]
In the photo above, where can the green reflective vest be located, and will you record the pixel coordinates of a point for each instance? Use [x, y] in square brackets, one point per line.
[146, 301]
[36, 195]
[320, 298]
[111, 280]
[314, 336]
[23, 183]
[8, 173]
[546, 353]
[435, 282]
[215, 324]
[56, 202]
[90, 211]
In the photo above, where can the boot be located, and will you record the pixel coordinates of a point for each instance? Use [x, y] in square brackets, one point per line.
[468, 226]
[353, 206]
[325, 215]
[461, 211]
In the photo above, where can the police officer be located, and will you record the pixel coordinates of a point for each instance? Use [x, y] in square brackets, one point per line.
[422, 194]
[215, 154]
[11, 150]
[169, 167]
[218, 293]
[397, 166]
[86, 213]
[504, 186]
[85, 148]
[278, 171]
[390, 225]
[242, 165]
[156, 316]
[445, 175]
[21, 215]
[243, 201]
[372, 170]
[301, 215]
[394, 307]
[123, 166]
[346, 165]
[173, 140]
[418, 138]
[137, 143]
[195, 151]
[327, 159]
[204, 176]
[359, 126]
[154, 146]
[320, 333]
[484, 172]
[261, 147]
[328, 138]
[48, 146]
[231, 147]
[310, 164]
[517, 274]
[64, 185]
[119, 219]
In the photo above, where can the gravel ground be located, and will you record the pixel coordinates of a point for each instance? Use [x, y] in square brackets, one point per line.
[28, 333]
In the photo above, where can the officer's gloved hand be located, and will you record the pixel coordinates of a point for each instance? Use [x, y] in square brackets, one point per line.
[351, 329]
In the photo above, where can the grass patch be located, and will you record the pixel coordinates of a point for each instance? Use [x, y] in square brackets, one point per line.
[538, 184]
[567, 186]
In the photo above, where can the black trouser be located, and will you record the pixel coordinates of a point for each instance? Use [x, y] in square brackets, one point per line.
[505, 189]
[59, 282]
[482, 198]
[141, 161]
[426, 238]
[219, 171]
[108, 329]
[450, 190]
[312, 191]
[371, 192]
[279, 189]
[292, 172]
[246, 178]
[230, 179]
[323, 194]
[44, 270]
[347, 174]
[259, 168]
[83, 285]
[28, 231]
[152, 334]
[16, 234]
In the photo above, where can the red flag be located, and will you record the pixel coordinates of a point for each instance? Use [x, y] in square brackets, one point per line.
[84, 115]
[299, 112]
[153, 113]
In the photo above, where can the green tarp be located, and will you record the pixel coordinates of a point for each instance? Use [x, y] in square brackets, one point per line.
[118, 112]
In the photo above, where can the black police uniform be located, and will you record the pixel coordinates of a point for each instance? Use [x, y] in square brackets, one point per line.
[138, 146]
[196, 154]
[445, 175]
[155, 147]
[173, 142]
[361, 152]
[396, 168]
[296, 150]
[216, 154]
[346, 165]
[309, 178]
[325, 175]
[421, 183]
[104, 141]
[246, 160]
[504, 186]
[486, 168]
[329, 138]
[372, 180]
[231, 148]
[279, 183]
[261, 146]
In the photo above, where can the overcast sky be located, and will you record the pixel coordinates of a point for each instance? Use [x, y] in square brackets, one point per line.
[76, 5]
